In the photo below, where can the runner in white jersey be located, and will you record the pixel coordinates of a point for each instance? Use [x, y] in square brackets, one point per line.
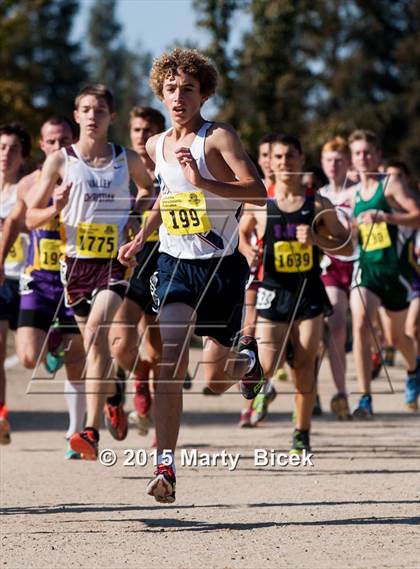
[204, 176]
[15, 146]
[94, 204]
[47, 330]
[337, 269]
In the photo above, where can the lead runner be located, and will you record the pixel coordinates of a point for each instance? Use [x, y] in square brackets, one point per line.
[205, 176]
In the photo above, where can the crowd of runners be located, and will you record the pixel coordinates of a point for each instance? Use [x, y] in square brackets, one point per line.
[114, 260]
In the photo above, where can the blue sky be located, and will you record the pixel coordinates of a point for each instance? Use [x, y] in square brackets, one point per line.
[157, 24]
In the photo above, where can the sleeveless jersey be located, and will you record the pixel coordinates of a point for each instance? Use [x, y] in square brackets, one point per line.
[93, 221]
[285, 260]
[45, 250]
[378, 242]
[196, 224]
[15, 260]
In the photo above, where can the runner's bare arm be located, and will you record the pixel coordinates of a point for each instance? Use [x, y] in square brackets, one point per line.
[397, 193]
[247, 186]
[326, 232]
[38, 213]
[14, 222]
[248, 226]
[127, 252]
[142, 180]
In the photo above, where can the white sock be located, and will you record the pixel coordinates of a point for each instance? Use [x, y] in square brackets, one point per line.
[252, 359]
[74, 394]
[165, 458]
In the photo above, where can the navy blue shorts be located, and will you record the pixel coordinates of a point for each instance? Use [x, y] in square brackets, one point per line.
[139, 289]
[215, 288]
[9, 302]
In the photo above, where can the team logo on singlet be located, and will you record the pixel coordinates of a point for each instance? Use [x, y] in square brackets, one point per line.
[194, 199]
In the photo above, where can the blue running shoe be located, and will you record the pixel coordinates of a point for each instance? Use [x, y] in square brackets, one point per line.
[412, 391]
[364, 408]
[55, 356]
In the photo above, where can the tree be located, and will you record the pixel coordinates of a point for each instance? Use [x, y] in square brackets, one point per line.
[42, 68]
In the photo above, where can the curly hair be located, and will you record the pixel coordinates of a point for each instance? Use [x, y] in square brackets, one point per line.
[189, 61]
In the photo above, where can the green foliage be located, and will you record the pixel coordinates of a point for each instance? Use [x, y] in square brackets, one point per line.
[41, 68]
[320, 68]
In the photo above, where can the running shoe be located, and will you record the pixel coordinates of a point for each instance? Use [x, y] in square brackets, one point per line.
[115, 416]
[187, 382]
[254, 380]
[261, 403]
[388, 354]
[364, 408]
[70, 453]
[85, 444]
[142, 422]
[116, 420]
[317, 410]
[245, 419]
[300, 442]
[376, 364]
[411, 393]
[55, 355]
[340, 407]
[142, 397]
[4, 426]
[208, 391]
[162, 486]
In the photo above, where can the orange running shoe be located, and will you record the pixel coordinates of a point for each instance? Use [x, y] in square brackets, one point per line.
[86, 444]
[4, 426]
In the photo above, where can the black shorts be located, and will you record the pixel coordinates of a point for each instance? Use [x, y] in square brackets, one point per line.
[139, 289]
[281, 305]
[44, 321]
[215, 288]
[9, 302]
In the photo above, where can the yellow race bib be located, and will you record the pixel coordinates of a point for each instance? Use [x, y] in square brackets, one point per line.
[185, 213]
[98, 240]
[374, 236]
[292, 257]
[16, 253]
[49, 254]
[145, 216]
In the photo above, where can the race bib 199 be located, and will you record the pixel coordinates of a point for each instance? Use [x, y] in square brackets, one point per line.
[49, 254]
[292, 257]
[374, 236]
[185, 213]
[98, 240]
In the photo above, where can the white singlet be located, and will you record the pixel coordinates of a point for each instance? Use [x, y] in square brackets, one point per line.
[218, 216]
[93, 221]
[16, 259]
[344, 210]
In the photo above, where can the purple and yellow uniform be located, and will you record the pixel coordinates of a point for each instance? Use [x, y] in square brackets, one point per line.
[42, 294]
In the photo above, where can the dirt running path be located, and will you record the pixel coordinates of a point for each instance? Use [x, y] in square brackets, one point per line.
[356, 507]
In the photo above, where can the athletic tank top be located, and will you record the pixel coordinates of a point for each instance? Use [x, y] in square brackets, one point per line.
[93, 221]
[196, 224]
[285, 260]
[378, 242]
[344, 212]
[45, 250]
[16, 258]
